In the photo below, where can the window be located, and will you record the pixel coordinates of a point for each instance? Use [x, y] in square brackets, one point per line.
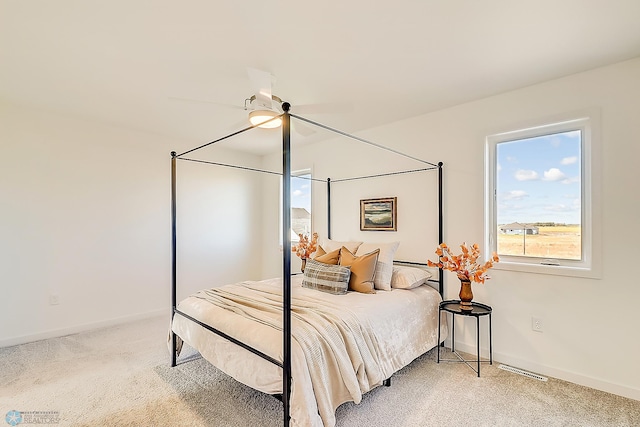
[300, 205]
[540, 199]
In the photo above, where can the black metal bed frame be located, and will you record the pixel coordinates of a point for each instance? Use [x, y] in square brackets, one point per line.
[286, 239]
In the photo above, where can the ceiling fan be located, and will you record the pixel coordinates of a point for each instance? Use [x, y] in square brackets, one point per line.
[263, 105]
[265, 117]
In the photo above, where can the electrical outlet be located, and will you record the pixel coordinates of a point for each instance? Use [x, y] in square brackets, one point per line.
[536, 324]
[54, 299]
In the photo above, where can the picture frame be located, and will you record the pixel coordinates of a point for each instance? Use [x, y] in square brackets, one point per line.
[378, 214]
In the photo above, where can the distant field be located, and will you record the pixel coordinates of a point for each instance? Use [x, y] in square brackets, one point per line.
[553, 242]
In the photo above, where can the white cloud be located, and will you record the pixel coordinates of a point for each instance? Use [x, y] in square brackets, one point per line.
[499, 167]
[297, 193]
[576, 204]
[554, 174]
[569, 160]
[526, 175]
[570, 197]
[560, 207]
[515, 195]
[555, 141]
[571, 180]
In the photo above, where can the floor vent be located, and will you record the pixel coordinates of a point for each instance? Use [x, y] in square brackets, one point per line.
[521, 372]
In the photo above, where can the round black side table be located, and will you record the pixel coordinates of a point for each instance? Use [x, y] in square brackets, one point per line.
[478, 310]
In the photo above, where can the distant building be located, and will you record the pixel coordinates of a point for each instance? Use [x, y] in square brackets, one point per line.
[300, 221]
[518, 228]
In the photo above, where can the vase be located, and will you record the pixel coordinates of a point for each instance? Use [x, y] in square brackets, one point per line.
[303, 264]
[466, 295]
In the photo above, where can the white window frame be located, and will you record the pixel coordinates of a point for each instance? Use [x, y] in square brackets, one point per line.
[590, 264]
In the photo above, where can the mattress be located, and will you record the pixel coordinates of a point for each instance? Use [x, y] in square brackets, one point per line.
[366, 339]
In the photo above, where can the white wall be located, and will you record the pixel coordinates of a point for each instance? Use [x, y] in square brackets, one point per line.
[589, 324]
[219, 220]
[85, 215]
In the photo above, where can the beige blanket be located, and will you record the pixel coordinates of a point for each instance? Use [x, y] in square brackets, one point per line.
[342, 345]
[335, 344]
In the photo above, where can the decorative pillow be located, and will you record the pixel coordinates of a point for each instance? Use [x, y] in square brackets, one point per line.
[333, 279]
[384, 267]
[408, 277]
[331, 245]
[328, 258]
[363, 270]
[319, 251]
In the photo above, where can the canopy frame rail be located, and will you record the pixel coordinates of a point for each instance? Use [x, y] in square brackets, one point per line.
[357, 138]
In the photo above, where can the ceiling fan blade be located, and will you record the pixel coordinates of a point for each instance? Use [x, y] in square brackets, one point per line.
[301, 128]
[261, 82]
[204, 101]
[326, 108]
[239, 124]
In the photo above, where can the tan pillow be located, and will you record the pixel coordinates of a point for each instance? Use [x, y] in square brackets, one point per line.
[320, 251]
[384, 267]
[332, 245]
[363, 270]
[328, 258]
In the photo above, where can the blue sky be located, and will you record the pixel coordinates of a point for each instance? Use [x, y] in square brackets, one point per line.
[301, 193]
[539, 179]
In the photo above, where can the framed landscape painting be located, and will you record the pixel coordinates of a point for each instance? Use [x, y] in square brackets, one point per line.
[378, 214]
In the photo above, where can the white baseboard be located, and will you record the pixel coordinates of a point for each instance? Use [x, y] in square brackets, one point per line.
[572, 377]
[55, 333]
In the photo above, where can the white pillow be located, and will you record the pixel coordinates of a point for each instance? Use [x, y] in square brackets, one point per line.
[331, 245]
[408, 277]
[384, 267]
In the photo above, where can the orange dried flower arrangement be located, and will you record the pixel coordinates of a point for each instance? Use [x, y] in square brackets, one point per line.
[466, 264]
[305, 247]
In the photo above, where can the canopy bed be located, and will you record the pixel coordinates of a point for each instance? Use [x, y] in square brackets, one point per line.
[344, 343]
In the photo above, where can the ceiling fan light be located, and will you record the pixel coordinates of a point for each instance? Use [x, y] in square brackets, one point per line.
[259, 117]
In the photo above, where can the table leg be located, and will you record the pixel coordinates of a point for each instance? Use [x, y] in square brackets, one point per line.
[478, 340]
[490, 343]
[438, 343]
[453, 332]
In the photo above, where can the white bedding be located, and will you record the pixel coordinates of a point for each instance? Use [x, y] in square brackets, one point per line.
[391, 329]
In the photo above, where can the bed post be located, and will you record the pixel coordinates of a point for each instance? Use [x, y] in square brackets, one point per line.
[328, 208]
[173, 254]
[440, 229]
[286, 260]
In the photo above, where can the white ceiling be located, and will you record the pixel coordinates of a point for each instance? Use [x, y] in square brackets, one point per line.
[123, 62]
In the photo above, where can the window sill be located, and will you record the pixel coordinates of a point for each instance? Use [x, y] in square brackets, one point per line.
[555, 270]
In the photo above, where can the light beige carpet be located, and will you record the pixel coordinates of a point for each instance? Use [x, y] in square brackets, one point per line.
[120, 376]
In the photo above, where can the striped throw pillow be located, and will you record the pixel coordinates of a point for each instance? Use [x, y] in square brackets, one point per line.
[333, 279]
